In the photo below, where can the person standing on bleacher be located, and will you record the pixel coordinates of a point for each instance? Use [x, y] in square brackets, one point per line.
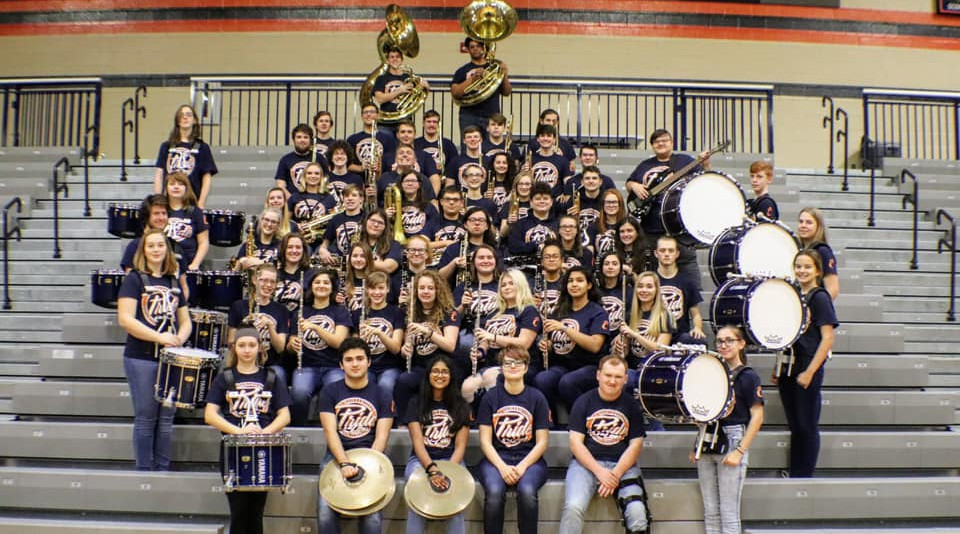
[606, 437]
[185, 152]
[153, 311]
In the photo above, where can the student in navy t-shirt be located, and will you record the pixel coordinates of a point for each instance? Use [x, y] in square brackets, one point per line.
[270, 318]
[800, 390]
[438, 420]
[381, 325]
[812, 231]
[186, 224]
[514, 430]
[324, 326]
[606, 437]
[153, 312]
[185, 152]
[761, 175]
[247, 405]
[680, 294]
[722, 475]
[355, 415]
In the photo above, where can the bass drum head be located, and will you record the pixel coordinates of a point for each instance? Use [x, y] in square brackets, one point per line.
[706, 388]
[767, 249]
[710, 203]
[775, 314]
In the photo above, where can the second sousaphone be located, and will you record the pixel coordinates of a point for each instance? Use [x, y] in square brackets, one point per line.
[487, 21]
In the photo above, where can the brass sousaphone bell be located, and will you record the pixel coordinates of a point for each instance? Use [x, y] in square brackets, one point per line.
[487, 21]
[400, 33]
[429, 503]
[370, 492]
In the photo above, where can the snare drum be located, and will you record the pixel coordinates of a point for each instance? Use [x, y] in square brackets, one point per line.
[218, 290]
[209, 330]
[754, 249]
[105, 287]
[226, 227]
[685, 386]
[256, 462]
[123, 220]
[184, 376]
[770, 310]
[698, 209]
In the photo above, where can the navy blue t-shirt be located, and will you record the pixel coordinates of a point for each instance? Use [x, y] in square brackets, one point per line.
[438, 435]
[748, 391]
[316, 352]
[679, 294]
[607, 426]
[305, 206]
[821, 311]
[389, 83]
[529, 233]
[612, 300]
[339, 182]
[363, 145]
[183, 226]
[291, 166]
[430, 148]
[827, 256]
[357, 412]
[648, 173]
[193, 159]
[510, 323]
[274, 312]
[424, 349]
[552, 170]
[340, 231]
[248, 396]
[763, 204]
[484, 108]
[591, 319]
[385, 320]
[157, 303]
[126, 261]
[514, 419]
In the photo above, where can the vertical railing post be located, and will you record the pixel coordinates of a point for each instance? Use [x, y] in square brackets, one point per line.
[913, 199]
[950, 245]
[7, 303]
[87, 154]
[846, 146]
[579, 114]
[57, 187]
[828, 122]
[871, 220]
[139, 112]
[125, 126]
[679, 119]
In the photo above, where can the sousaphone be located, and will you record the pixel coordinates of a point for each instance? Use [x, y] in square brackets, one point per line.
[433, 504]
[368, 492]
[487, 21]
[400, 33]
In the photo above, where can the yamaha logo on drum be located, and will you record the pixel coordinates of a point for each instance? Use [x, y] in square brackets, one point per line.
[261, 465]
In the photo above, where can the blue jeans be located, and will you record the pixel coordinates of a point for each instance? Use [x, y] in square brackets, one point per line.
[495, 496]
[547, 382]
[306, 382]
[152, 423]
[802, 409]
[416, 523]
[328, 521]
[576, 383]
[581, 486]
[721, 487]
[386, 380]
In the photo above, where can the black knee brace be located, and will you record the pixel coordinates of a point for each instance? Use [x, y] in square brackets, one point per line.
[623, 501]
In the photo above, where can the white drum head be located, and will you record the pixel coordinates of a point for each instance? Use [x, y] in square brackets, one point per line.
[767, 250]
[774, 314]
[710, 204]
[705, 388]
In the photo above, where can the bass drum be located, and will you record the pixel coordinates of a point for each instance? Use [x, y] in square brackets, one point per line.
[754, 249]
[770, 311]
[698, 209]
[685, 385]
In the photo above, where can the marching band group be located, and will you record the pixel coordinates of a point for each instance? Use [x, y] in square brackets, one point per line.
[401, 281]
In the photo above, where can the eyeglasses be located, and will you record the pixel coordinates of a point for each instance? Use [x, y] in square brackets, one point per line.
[440, 372]
[416, 251]
[376, 222]
[477, 220]
[514, 363]
[727, 341]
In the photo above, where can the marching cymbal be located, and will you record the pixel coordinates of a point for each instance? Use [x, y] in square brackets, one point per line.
[375, 481]
[375, 507]
[425, 501]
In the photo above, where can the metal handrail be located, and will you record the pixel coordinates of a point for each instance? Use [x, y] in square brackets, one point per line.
[57, 187]
[871, 220]
[846, 146]
[87, 154]
[828, 119]
[917, 124]
[139, 112]
[126, 125]
[950, 245]
[914, 200]
[7, 232]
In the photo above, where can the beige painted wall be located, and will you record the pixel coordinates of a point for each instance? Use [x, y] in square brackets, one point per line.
[799, 139]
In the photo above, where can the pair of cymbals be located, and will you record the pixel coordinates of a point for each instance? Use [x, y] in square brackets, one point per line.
[369, 493]
[432, 504]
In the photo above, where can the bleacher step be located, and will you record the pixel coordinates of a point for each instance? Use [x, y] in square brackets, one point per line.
[34, 525]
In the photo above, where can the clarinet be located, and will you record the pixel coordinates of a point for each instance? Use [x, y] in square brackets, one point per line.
[474, 350]
[623, 300]
[409, 336]
[299, 328]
